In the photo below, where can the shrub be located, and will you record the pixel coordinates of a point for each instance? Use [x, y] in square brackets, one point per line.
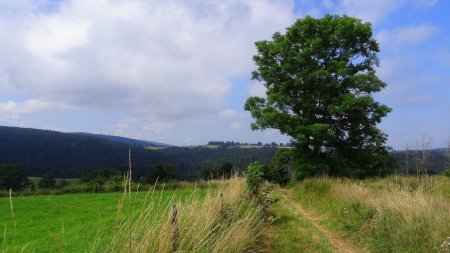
[447, 172]
[254, 175]
[47, 181]
[107, 173]
[282, 166]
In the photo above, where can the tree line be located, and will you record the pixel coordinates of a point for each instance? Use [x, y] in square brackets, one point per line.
[106, 179]
[259, 144]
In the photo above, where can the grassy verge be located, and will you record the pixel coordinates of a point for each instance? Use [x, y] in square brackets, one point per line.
[383, 215]
[224, 220]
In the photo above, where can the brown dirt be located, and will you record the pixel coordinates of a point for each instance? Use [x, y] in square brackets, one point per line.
[335, 240]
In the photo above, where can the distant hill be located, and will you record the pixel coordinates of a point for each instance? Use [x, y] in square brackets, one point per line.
[65, 154]
[125, 140]
[72, 154]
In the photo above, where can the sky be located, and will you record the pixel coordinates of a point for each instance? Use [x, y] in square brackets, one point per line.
[178, 71]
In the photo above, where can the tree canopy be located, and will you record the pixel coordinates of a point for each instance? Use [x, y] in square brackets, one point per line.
[320, 77]
[11, 177]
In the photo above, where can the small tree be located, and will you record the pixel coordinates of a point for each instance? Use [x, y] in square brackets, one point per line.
[320, 77]
[11, 177]
[47, 181]
[422, 154]
[254, 176]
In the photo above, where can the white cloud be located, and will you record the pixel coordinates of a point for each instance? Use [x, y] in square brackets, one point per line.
[125, 123]
[235, 125]
[366, 10]
[53, 35]
[26, 107]
[373, 11]
[10, 120]
[403, 36]
[11, 111]
[157, 126]
[165, 61]
[228, 114]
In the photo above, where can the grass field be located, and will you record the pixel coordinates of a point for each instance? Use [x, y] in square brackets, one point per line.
[220, 218]
[69, 222]
[394, 214]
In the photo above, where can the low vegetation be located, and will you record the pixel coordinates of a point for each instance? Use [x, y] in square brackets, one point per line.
[395, 214]
[222, 218]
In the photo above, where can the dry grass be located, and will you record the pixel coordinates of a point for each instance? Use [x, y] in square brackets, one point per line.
[222, 220]
[409, 213]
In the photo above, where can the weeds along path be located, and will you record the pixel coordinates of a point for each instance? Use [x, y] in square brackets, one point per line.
[334, 239]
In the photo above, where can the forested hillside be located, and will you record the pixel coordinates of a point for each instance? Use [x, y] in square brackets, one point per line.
[70, 155]
[129, 141]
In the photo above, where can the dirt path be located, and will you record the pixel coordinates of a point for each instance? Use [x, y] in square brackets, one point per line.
[339, 243]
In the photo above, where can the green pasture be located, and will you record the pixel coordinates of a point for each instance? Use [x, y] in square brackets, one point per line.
[68, 223]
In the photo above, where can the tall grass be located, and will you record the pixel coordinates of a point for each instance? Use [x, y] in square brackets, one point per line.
[224, 219]
[396, 214]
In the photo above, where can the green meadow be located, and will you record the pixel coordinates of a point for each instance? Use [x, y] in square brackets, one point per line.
[67, 223]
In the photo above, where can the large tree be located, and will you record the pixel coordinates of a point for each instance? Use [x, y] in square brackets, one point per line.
[320, 77]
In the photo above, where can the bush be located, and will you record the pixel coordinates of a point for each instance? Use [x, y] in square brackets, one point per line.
[447, 172]
[254, 176]
[107, 173]
[282, 167]
[47, 181]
